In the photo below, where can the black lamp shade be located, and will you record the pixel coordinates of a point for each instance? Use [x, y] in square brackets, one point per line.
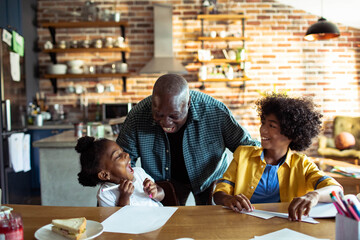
[322, 30]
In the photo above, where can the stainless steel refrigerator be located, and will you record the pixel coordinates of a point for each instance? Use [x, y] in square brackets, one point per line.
[12, 120]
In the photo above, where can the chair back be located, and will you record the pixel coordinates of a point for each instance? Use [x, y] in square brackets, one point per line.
[212, 187]
[170, 198]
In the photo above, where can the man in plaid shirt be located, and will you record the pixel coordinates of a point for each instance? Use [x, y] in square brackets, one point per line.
[181, 136]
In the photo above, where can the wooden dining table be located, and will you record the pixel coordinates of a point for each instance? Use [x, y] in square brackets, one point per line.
[196, 222]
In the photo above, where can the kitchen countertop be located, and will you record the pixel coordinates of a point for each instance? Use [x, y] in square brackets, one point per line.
[63, 140]
[61, 124]
[51, 126]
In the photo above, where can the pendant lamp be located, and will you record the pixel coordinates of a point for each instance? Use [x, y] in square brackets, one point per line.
[322, 30]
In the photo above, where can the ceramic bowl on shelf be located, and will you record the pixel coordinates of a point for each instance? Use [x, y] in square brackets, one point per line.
[75, 70]
[75, 63]
[56, 68]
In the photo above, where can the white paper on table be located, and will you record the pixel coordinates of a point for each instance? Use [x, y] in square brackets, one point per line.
[26, 153]
[266, 215]
[15, 66]
[16, 151]
[138, 219]
[323, 210]
[285, 234]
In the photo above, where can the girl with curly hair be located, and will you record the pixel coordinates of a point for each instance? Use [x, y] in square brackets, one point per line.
[104, 162]
[273, 172]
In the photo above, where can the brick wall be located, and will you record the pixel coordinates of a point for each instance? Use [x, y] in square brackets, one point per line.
[280, 58]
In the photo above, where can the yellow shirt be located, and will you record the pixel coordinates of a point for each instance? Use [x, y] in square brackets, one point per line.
[297, 175]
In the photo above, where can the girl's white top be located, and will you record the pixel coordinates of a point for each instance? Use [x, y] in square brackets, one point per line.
[138, 198]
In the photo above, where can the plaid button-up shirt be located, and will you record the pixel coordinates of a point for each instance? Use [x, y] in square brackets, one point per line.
[210, 129]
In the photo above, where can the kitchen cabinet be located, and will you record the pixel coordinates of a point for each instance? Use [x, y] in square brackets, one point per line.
[59, 166]
[35, 135]
[222, 54]
[11, 15]
[94, 24]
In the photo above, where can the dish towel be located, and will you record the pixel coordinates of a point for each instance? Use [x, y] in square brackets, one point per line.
[19, 152]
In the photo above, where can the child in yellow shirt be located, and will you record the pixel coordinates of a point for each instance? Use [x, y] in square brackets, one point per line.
[273, 172]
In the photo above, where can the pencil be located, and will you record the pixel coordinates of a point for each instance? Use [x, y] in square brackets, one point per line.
[110, 188]
[338, 208]
[341, 204]
[353, 213]
[356, 211]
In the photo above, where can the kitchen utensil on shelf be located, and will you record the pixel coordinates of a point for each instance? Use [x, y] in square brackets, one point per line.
[73, 44]
[56, 68]
[119, 42]
[48, 45]
[109, 42]
[121, 67]
[61, 44]
[110, 88]
[86, 43]
[89, 11]
[75, 70]
[98, 43]
[75, 63]
[79, 89]
[117, 16]
[99, 88]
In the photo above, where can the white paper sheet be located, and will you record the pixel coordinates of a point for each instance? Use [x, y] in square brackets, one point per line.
[285, 234]
[138, 219]
[15, 66]
[26, 153]
[16, 151]
[266, 215]
[323, 210]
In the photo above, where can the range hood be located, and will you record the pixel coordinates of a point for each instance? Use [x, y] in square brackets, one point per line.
[163, 60]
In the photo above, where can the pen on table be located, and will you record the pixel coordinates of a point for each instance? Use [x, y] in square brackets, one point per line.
[110, 188]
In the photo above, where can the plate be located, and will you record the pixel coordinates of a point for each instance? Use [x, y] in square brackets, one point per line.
[93, 229]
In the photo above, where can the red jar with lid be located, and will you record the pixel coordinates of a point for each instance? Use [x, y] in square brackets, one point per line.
[11, 225]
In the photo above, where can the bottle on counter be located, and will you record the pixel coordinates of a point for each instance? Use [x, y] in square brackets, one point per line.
[98, 113]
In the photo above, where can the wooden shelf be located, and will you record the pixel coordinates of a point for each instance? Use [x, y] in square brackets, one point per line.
[79, 50]
[95, 75]
[220, 61]
[53, 26]
[93, 24]
[219, 39]
[224, 79]
[218, 17]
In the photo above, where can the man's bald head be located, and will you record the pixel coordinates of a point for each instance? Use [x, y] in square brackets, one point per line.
[170, 102]
[171, 84]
